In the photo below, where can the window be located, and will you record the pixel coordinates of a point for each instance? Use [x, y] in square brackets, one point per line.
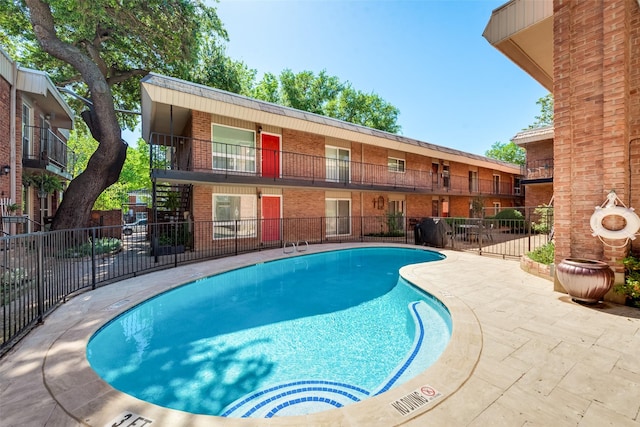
[496, 208]
[473, 181]
[338, 165]
[234, 216]
[496, 184]
[27, 131]
[338, 217]
[234, 149]
[445, 176]
[395, 165]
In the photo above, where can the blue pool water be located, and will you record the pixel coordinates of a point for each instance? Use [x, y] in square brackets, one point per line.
[297, 335]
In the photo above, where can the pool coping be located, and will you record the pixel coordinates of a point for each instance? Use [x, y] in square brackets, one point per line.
[88, 399]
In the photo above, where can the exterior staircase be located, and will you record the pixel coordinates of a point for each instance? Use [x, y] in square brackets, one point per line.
[172, 200]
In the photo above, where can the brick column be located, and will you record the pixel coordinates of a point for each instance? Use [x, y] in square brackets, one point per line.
[592, 97]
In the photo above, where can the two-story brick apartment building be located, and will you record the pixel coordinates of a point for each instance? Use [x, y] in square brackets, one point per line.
[236, 158]
[34, 125]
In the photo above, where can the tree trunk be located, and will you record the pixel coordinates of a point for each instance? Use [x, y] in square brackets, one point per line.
[105, 164]
[75, 209]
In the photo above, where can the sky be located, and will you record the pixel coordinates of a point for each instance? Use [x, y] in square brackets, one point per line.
[426, 57]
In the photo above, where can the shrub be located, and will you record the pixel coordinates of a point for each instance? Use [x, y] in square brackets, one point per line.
[545, 254]
[104, 245]
[631, 286]
[512, 219]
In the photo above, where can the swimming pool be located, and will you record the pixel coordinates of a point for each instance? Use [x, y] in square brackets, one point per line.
[243, 342]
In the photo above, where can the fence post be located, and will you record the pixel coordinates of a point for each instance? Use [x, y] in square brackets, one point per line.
[175, 243]
[93, 258]
[40, 268]
[236, 238]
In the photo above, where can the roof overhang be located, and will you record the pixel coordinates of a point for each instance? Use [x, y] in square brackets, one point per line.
[167, 104]
[44, 93]
[534, 135]
[523, 31]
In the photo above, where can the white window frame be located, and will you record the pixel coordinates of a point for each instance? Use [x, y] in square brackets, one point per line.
[332, 225]
[496, 208]
[394, 165]
[27, 130]
[246, 227]
[333, 165]
[234, 159]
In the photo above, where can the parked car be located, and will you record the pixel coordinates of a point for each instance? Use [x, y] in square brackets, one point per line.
[138, 226]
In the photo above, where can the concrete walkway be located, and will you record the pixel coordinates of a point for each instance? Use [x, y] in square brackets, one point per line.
[520, 354]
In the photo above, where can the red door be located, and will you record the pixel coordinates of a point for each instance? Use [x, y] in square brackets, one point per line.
[270, 218]
[270, 156]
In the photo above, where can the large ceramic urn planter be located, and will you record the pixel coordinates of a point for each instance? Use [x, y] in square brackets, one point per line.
[585, 280]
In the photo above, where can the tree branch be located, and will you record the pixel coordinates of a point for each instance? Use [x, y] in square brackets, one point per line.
[44, 29]
[118, 76]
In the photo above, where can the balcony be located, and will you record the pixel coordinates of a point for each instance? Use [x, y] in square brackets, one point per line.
[538, 171]
[43, 149]
[171, 160]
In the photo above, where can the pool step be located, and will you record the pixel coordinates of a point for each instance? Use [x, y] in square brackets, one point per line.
[295, 398]
[306, 397]
[404, 371]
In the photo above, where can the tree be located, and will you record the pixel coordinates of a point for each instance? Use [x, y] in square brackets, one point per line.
[101, 50]
[546, 112]
[507, 153]
[328, 96]
[134, 174]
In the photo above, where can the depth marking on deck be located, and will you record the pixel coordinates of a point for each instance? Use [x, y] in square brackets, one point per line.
[129, 419]
[415, 400]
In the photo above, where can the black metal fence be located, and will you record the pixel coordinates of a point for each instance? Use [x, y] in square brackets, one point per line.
[38, 271]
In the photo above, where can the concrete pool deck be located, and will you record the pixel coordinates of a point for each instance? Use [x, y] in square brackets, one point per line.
[521, 354]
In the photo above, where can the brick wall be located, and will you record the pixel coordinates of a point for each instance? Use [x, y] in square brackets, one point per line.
[538, 194]
[539, 150]
[201, 131]
[5, 119]
[592, 103]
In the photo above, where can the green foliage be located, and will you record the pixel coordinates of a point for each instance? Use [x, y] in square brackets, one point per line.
[104, 245]
[134, 174]
[509, 214]
[125, 42]
[509, 152]
[545, 223]
[14, 276]
[511, 219]
[214, 68]
[42, 181]
[545, 254]
[546, 112]
[395, 223]
[631, 286]
[328, 96]
[477, 205]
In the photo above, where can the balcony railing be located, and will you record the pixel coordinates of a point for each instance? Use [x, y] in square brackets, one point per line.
[51, 148]
[288, 168]
[539, 169]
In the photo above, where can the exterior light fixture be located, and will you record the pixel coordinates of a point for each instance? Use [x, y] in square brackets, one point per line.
[5, 170]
